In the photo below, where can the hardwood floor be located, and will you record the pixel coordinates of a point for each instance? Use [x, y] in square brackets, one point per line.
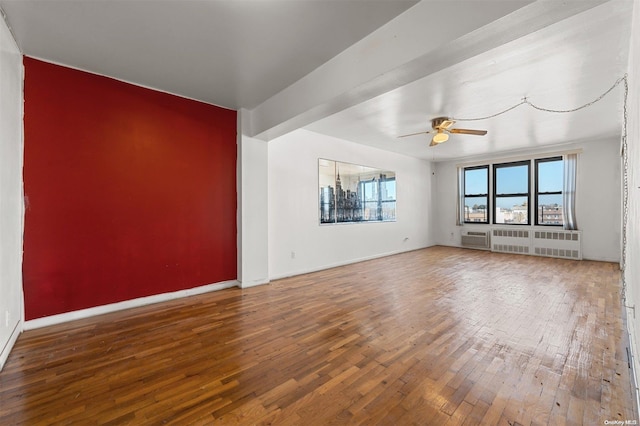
[435, 336]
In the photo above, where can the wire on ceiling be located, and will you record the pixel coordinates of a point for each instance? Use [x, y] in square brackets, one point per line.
[624, 155]
[526, 101]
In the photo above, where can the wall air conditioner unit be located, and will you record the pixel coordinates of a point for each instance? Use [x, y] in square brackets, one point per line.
[475, 239]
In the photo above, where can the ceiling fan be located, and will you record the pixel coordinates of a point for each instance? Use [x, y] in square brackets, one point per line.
[442, 127]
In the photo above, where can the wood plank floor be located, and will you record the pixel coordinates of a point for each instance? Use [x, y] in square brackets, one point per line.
[435, 336]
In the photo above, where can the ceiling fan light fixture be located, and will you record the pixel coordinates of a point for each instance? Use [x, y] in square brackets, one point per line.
[441, 127]
[440, 137]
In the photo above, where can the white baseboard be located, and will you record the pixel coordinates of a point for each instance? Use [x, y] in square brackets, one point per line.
[248, 284]
[133, 303]
[342, 263]
[4, 354]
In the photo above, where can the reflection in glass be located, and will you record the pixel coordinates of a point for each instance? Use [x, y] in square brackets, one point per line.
[354, 193]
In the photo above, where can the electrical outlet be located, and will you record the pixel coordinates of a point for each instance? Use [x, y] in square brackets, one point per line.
[293, 254]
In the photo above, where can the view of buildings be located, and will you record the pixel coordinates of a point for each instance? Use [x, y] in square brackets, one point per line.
[550, 214]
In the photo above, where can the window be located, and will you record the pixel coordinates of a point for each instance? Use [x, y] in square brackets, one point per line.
[549, 176]
[515, 191]
[511, 193]
[476, 194]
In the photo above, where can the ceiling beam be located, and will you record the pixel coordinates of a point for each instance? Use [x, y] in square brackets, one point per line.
[423, 40]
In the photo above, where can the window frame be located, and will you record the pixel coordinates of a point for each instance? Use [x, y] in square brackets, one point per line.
[496, 196]
[537, 193]
[486, 195]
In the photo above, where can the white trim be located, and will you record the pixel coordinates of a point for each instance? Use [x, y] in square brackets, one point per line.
[254, 283]
[4, 355]
[348, 262]
[133, 303]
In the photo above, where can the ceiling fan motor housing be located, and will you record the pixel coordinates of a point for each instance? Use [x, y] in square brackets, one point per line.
[441, 122]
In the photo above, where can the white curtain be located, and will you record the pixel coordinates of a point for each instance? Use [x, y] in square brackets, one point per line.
[569, 191]
[460, 198]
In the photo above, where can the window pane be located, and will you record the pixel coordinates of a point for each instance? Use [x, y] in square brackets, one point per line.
[476, 181]
[549, 179]
[389, 190]
[389, 210]
[369, 192]
[550, 209]
[475, 209]
[512, 180]
[512, 210]
[378, 199]
[550, 174]
[371, 210]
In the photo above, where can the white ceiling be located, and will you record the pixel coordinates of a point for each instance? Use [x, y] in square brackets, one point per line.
[365, 71]
[560, 67]
[232, 53]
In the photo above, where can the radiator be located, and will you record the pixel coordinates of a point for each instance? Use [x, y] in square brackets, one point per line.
[558, 243]
[555, 243]
[511, 240]
[475, 239]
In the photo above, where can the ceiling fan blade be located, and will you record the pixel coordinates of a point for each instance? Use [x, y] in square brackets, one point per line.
[469, 132]
[414, 134]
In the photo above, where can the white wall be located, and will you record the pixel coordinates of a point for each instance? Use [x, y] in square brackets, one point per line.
[598, 198]
[299, 244]
[253, 267]
[11, 205]
[632, 273]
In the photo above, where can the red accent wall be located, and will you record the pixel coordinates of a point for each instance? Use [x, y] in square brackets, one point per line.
[129, 192]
